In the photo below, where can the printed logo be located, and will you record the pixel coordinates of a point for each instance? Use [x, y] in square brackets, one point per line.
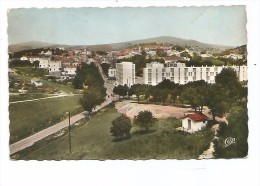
[229, 141]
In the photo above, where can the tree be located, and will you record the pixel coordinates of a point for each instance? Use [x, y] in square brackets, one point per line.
[88, 75]
[229, 81]
[190, 94]
[121, 90]
[145, 119]
[105, 67]
[136, 89]
[91, 98]
[143, 53]
[121, 127]
[163, 94]
[161, 53]
[185, 54]
[237, 129]
[36, 63]
[215, 100]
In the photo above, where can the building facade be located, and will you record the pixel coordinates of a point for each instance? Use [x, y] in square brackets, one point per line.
[55, 68]
[70, 71]
[155, 72]
[111, 73]
[125, 73]
[44, 63]
[194, 122]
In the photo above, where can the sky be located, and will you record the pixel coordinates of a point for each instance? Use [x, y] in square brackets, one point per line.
[223, 25]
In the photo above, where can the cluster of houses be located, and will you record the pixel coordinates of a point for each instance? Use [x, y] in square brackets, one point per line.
[64, 66]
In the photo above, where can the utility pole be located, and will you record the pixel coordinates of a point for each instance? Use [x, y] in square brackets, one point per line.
[69, 134]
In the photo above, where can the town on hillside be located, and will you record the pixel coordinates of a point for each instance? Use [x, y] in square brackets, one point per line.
[175, 101]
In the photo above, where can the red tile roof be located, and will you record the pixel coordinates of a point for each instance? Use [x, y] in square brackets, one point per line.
[197, 117]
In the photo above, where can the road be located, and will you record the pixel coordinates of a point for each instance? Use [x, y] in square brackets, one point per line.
[29, 141]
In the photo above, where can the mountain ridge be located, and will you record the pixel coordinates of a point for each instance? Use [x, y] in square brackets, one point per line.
[117, 46]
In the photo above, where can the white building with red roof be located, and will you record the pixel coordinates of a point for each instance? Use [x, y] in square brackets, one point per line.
[194, 122]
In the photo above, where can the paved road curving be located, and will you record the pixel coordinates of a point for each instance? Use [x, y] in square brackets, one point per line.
[29, 141]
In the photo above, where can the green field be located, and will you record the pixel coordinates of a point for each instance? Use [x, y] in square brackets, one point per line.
[94, 141]
[30, 117]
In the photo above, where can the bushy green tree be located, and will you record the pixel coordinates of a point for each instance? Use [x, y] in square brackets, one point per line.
[88, 75]
[138, 90]
[191, 95]
[145, 119]
[91, 98]
[229, 81]
[237, 129]
[216, 100]
[121, 127]
[105, 67]
[121, 90]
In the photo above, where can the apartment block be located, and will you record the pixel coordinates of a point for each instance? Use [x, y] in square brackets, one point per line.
[155, 72]
[125, 73]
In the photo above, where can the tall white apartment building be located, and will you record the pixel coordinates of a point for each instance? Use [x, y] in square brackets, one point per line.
[125, 73]
[155, 72]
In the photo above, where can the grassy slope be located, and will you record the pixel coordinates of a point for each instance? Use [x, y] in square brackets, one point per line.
[94, 141]
[29, 117]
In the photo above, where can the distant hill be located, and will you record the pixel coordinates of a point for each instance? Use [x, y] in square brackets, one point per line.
[238, 50]
[118, 46]
[32, 45]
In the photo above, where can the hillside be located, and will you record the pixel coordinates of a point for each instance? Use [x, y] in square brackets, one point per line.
[118, 46]
[32, 45]
[238, 50]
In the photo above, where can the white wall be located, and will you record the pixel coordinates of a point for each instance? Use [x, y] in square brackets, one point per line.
[153, 73]
[70, 71]
[44, 62]
[125, 73]
[55, 66]
[112, 72]
[195, 126]
[179, 73]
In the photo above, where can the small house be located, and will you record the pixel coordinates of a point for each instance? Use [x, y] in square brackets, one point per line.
[194, 122]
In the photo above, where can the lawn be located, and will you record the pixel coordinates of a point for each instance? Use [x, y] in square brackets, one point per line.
[30, 117]
[94, 141]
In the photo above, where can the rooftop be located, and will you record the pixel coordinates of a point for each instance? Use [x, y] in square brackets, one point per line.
[197, 117]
